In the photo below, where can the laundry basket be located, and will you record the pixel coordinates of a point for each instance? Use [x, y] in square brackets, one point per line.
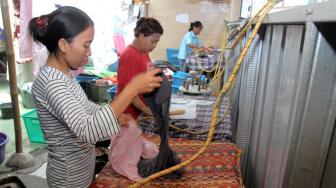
[33, 127]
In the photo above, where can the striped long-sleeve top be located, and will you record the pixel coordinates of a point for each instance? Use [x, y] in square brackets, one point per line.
[71, 125]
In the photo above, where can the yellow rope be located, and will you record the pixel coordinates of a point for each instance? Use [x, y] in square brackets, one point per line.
[227, 85]
[237, 40]
[238, 167]
[199, 65]
[188, 130]
[180, 129]
[222, 49]
[228, 104]
[219, 75]
[224, 44]
[174, 127]
[218, 70]
[220, 58]
[192, 131]
[248, 25]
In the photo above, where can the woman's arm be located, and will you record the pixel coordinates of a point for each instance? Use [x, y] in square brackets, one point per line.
[137, 102]
[102, 124]
[202, 48]
[141, 83]
[193, 46]
[90, 128]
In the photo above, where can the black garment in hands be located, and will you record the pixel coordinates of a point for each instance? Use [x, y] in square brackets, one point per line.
[159, 102]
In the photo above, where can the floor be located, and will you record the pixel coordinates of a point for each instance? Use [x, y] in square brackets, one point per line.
[33, 179]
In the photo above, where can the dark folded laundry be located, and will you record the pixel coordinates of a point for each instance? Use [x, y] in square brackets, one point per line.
[159, 102]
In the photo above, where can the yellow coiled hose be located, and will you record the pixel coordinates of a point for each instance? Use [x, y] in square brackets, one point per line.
[227, 85]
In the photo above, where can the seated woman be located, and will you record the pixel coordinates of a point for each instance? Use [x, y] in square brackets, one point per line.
[128, 146]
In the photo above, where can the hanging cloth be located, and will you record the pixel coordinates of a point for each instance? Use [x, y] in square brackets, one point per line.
[28, 48]
[118, 35]
[26, 41]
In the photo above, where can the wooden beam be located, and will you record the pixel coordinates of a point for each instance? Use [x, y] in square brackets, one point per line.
[12, 75]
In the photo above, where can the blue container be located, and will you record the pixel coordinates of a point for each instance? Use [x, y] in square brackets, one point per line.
[175, 89]
[171, 54]
[178, 78]
[3, 142]
[113, 91]
[85, 78]
[113, 67]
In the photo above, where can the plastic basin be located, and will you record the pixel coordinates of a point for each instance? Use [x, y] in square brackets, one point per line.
[113, 91]
[3, 141]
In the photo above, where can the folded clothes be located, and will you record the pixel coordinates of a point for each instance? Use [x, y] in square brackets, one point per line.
[126, 149]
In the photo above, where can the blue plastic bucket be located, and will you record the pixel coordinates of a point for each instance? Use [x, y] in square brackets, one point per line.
[178, 78]
[171, 55]
[113, 67]
[3, 141]
[175, 89]
[113, 91]
[85, 78]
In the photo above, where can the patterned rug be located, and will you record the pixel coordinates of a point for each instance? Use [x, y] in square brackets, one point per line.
[218, 167]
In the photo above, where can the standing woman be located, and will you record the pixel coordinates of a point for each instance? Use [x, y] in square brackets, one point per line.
[189, 43]
[70, 122]
[135, 59]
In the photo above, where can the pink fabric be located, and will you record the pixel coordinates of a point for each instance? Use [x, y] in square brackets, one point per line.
[26, 41]
[126, 149]
[28, 48]
[119, 43]
[40, 56]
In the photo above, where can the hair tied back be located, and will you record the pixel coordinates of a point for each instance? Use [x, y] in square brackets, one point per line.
[42, 22]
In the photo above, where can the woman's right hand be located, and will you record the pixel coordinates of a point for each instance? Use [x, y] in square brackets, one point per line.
[125, 120]
[146, 82]
[141, 83]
